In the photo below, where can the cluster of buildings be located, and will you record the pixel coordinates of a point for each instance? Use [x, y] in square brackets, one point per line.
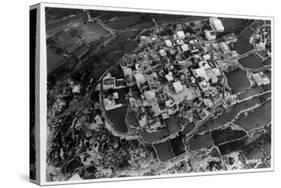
[216, 27]
[260, 79]
[69, 92]
[261, 40]
[172, 75]
[111, 100]
[223, 47]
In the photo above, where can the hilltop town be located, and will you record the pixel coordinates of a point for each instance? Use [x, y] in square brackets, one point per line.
[188, 95]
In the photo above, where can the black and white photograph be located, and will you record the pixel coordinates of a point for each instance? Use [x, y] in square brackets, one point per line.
[140, 94]
[144, 94]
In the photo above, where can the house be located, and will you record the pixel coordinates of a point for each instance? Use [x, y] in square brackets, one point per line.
[76, 89]
[206, 57]
[180, 35]
[168, 43]
[216, 24]
[142, 121]
[169, 103]
[224, 47]
[210, 35]
[260, 78]
[180, 42]
[146, 39]
[204, 85]
[178, 87]
[200, 73]
[204, 64]
[108, 82]
[162, 52]
[211, 75]
[151, 101]
[184, 47]
[128, 75]
[140, 78]
[208, 103]
[65, 41]
[169, 76]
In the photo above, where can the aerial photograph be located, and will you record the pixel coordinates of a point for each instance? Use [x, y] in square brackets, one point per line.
[147, 94]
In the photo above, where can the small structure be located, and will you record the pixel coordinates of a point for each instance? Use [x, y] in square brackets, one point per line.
[162, 52]
[210, 35]
[207, 57]
[211, 75]
[204, 86]
[217, 24]
[81, 52]
[224, 47]
[207, 102]
[110, 104]
[178, 87]
[168, 43]
[108, 82]
[169, 103]
[169, 76]
[200, 73]
[128, 75]
[180, 42]
[180, 35]
[151, 101]
[261, 79]
[76, 89]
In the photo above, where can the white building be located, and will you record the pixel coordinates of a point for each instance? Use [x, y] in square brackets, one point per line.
[184, 47]
[128, 73]
[204, 64]
[216, 24]
[76, 89]
[109, 82]
[162, 52]
[217, 71]
[178, 87]
[207, 102]
[168, 43]
[169, 76]
[212, 75]
[180, 35]
[207, 57]
[151, 101]
[224, 47]
[209, 35]
[261, 79]
[204, 86]
[201, 71]
[110, 104]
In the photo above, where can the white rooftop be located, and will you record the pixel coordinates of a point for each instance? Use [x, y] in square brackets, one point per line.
[217, 24]
[184, 47]
[209, 35]
[169, 76]
[178, 87]
[139, 77]
[168, 43]
[162, 52]
[200, 72]
[180, 34]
